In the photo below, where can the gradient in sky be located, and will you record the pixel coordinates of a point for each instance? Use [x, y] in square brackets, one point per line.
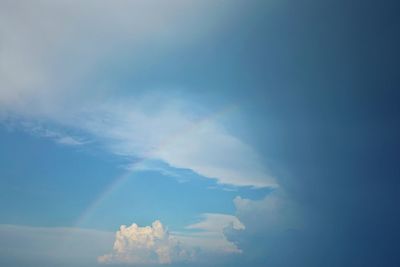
[199, 133]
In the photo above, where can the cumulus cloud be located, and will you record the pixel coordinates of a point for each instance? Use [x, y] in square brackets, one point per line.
[144, 245]
[155, 245]
[51, 246]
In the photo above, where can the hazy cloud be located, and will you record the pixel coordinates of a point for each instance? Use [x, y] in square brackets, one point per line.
[209, 234]
[52, 245]
[49, 49]
[274, 213]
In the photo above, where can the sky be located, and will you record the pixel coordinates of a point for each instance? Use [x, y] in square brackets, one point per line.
[199, 133]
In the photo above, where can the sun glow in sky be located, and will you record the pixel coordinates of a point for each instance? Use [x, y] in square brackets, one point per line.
[198, 133]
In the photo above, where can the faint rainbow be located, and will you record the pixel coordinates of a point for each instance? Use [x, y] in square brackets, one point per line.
[117, 182]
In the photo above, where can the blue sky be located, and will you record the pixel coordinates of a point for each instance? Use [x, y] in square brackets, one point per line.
[199, 133]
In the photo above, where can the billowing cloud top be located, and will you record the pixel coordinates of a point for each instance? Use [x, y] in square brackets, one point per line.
[143, 245]
[155, 245]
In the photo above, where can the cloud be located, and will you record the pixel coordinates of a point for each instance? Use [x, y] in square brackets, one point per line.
[144, 245]
[58, 136]
[214, 238]
[212, 152]
[69, 140]
[168, 133]
[49, 47]
[275, 212]
[215, 222]
[50, 55]
[208, 235]
[274, 233]
[133, 127]
[155, 245]
[175, 135]
[58, 246]
[51, 246]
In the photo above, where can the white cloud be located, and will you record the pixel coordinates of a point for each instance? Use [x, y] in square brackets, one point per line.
[144, 245]
[49, 48]
[172, 134]
[155, 245]
[212, 152]
[206, 240]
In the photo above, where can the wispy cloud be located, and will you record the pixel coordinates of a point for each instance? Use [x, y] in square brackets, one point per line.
[69, 140]
[44, 79]
[39, 130]
[169, 133]
[181, 139]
